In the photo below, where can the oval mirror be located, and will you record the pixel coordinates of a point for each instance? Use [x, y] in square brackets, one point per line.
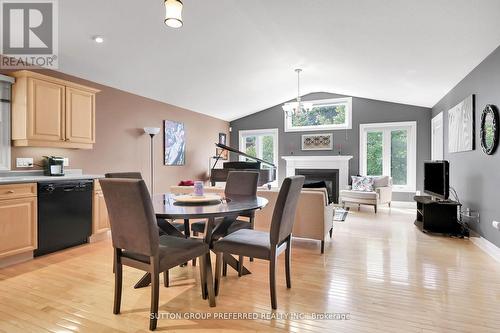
[489, 129]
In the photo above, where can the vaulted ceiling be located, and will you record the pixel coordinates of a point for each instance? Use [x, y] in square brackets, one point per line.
[236, 57]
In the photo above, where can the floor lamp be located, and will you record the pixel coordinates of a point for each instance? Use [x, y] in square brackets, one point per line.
[152, 131]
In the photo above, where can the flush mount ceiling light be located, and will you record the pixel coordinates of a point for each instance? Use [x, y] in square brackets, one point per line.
[98, 39]
[298, 106]
[173, 13]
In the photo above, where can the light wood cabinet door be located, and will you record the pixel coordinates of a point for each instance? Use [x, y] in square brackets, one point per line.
[18, 226]
[100, 214]
[80, 116]
[45, 110]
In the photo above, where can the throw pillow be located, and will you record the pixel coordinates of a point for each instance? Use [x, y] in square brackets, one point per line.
[364, 184]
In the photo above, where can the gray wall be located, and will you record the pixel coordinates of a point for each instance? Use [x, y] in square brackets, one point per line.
[474, 175]
[364, 111]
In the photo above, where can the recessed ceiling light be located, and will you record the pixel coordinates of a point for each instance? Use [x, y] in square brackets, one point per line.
[98, 39]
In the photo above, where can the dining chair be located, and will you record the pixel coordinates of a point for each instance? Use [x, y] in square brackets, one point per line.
[165, 227]
[266, 245]
[238, 184]
[170, 228]
[137, 243]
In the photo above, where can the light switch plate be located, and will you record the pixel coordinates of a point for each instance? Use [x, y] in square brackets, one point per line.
[24, 162]
[66, 161]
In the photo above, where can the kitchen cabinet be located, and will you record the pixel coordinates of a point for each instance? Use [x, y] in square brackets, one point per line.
[18, 219]
[50, 112]
[100, 219]
[80, 116]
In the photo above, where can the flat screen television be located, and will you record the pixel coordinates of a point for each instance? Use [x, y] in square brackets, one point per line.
[437, 179]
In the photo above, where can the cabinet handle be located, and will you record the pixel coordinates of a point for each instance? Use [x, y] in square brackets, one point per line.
[11, 191]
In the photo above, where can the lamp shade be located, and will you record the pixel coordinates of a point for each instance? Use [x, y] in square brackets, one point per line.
[173, 13]
[151, 130]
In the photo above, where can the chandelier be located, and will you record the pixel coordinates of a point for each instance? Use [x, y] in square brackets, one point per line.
[297, 107]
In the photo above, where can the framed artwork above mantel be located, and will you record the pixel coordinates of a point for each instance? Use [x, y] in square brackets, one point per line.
[322, 141]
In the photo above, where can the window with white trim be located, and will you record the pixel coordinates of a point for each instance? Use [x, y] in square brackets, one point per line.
[325, 114]
[262, 143]
[4, 126]
[390, 149]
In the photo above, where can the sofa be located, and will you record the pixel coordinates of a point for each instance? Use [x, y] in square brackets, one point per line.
[313, 219]
[381, 194]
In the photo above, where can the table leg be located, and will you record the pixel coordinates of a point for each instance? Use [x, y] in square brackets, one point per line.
[231, 261]
[208, 284]
[144, 281]
[187, 228]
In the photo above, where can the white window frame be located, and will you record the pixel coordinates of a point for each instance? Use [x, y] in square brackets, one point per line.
[386, 128]
[5, 83]
[260, 132]
[332, 127]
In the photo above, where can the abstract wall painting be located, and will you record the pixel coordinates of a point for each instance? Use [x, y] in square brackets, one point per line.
[461, 126]
[175, 143]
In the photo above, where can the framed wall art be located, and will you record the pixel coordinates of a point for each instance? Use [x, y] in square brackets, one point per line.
[323, 141]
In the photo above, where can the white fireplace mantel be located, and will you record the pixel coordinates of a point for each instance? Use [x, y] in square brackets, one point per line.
[340, 162]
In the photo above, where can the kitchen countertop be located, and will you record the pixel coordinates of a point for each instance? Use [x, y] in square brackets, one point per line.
[15, 177]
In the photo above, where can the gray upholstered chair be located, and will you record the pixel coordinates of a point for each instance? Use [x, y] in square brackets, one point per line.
[238, 184]
[168, 228]
[165, 227]
[266, 245]
[137, 243]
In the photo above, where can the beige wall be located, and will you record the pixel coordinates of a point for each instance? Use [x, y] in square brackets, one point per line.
[121, 144]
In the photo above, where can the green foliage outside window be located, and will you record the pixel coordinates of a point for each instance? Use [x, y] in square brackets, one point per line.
[374, 153]
[320, 115]
[399, 157]
[268, 149]
[250, 147]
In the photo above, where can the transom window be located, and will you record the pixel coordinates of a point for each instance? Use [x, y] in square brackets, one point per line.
[326, 114]
[390, 149]
[261, 143]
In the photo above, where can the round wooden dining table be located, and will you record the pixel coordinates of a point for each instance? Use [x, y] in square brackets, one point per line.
[165, 206]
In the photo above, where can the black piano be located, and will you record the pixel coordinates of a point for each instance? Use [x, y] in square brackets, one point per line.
[266, 175]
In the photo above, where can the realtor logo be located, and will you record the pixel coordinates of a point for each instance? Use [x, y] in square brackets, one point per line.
[29, 35]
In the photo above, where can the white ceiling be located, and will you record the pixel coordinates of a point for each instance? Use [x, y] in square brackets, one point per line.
[235, 57]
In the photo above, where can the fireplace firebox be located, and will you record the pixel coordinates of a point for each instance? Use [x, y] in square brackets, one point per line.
[329, 176]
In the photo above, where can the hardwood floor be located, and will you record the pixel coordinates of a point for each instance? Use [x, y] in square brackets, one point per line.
[382, 271]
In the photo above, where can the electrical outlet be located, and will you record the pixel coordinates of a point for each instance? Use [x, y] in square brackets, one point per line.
[24, 162]
[66, 161]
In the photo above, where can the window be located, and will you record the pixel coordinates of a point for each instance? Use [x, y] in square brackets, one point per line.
[262, 144]
[390, 149]
[326, 114]
[4, 126]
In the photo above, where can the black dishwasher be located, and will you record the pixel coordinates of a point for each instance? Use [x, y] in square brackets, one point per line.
[64, 214]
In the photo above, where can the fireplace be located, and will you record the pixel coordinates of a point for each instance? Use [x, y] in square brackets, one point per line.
[329, 176]
[323, 167]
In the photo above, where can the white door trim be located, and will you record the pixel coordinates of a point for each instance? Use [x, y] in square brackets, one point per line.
[437, 121]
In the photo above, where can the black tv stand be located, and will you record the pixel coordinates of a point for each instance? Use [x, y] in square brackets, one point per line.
[438, 216]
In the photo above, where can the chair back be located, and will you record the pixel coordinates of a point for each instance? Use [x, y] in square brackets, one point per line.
[241, 183]
[131, 215]
[284, 210]
[129, 175]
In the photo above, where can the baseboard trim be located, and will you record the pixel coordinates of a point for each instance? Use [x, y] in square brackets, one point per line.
[100, 237]
[16, 259]
[488, 247]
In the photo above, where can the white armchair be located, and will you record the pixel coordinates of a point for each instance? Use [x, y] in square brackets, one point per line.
[382, 194]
